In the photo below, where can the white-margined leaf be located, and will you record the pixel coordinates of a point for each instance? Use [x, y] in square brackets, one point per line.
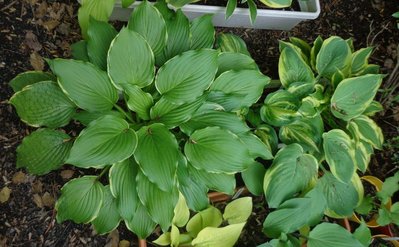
[360, 60]
[100, 10]
[202, 32]
[138, 101]
[368, 131]
[28, 78]
[141, 223]
[331, 235]
[228, 42]
[235, 61]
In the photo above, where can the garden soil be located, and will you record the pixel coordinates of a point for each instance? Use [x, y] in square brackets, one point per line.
[31, 30]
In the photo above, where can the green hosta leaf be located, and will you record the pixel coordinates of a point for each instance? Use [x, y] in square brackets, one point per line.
[253, 11]
[230, 7]
[148, 21]
[366, 205]
[100, 10]
[354, 95]
[139, 101]
[363, 234]
[294, 72]
[370, 69]
[28, 78]
[373, 108]
[179, 40]
[180, 3]
[43, 150]
[108, 218]
[127, 3]
[238, 210]
[235, 61]
[195, 192]
[340, 154]
[237, 89]
[122, 179]
[151, 197]
[181, 80]
[228, 42]
[105, 141]
[85, 117]
[157, 155]
[253, 178]
[362, 156]
[280, 108]
[268, 136]
[331, 235]
[368, 131]
[210, 217]
[341, 198]
[43, 104]
[202, 32]
[172, 114]
[80, 200]
[360, 60]
[277, 3]
[100, 35]
[293, 165]
[384, 217]
[389, 187]
[223, 236]
[182, 212]
[334, 55]
[130, 60]
[141, 223]
[301, 44]
[88, 86]
[217, 150]
[255, 146]
[221, 182]
[315, 51]
[79, 51]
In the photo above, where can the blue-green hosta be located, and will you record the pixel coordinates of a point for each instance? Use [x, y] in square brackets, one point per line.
[161, 111]
[322, 114]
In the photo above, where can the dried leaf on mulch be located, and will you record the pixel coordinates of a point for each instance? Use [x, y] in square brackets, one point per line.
[124, 243]
[32, 42]
[113, 239]
[48, 200]
[67, 174]
[36, 61]
[19, 178]
[5, 194]
[37, 199]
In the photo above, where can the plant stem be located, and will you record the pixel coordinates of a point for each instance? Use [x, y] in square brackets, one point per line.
[105, 170]
[124, 113]
[142, 243]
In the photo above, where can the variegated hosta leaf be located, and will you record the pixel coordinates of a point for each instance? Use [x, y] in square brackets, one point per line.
[235, 61]
[367, 130]
[43, 104]
[268, 136]
[280, 108]
[354, 95]
[373, 108]
[105, 141]
[148, 21]
[228, 42]
[29, 78]
[80, 200]
[202, 32]
[340, 154]
[130, 60]
[317, 43]
[331, 235]
[362, 156]
[334, 55]
[302, 45]
[100, 10]
[277, 3]
[293, 165]
[43, 150]
[360, 60]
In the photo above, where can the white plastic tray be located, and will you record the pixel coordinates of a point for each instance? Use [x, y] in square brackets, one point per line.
[266, 19]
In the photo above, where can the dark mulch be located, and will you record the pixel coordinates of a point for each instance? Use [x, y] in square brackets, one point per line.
[32, 29]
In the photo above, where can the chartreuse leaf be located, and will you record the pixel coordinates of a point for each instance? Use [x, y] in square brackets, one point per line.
[253, 178]
[179, 40]
[181, 80]
[222, 236]
[295, 74]
[105, 141]
[368, 131]
[290, 164]
[148, 21]
[221, 182]
[389, 187]
[277, 3]
[280, 108]
[237, 89]
[174, 236]
[340, 154]
[230, 7]
[29, 78]
[138, 101]
[334, 55]
[85, 117]
[331, 235]
[182, 212]
[80, 200]
[255, 146]
[151, 196]
[360, 60]
[354, 95]
[217, 150]
[202, 32]
[342, 198]
[210, 217]
[87, 86]
[43, 104]
[157, 155]
[238, 210]
[43, 150]
[235, 61]
[122, 179]
[100, 10]
[130, 60]
[363, 234]
[228, 42]
[100, 35]
[127, 3]
[108, 218]
[141, 223]
[163, 240]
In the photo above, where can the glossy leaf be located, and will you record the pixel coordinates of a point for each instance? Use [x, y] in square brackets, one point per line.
[87, 86]
[98, 9]
[223, 236]
[238, 210]
[43, 104]
[253, 178]
[43, 150]
[210, 217]
[228, 42]
[29, 78]
[105, 141]
[80, 200]
[202, 32]
[130, 60]
[331, 235]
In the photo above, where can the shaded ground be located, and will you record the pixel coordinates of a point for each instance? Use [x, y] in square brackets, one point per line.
[32, 29]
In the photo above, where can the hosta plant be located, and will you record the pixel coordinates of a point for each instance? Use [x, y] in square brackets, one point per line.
[161, 116]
